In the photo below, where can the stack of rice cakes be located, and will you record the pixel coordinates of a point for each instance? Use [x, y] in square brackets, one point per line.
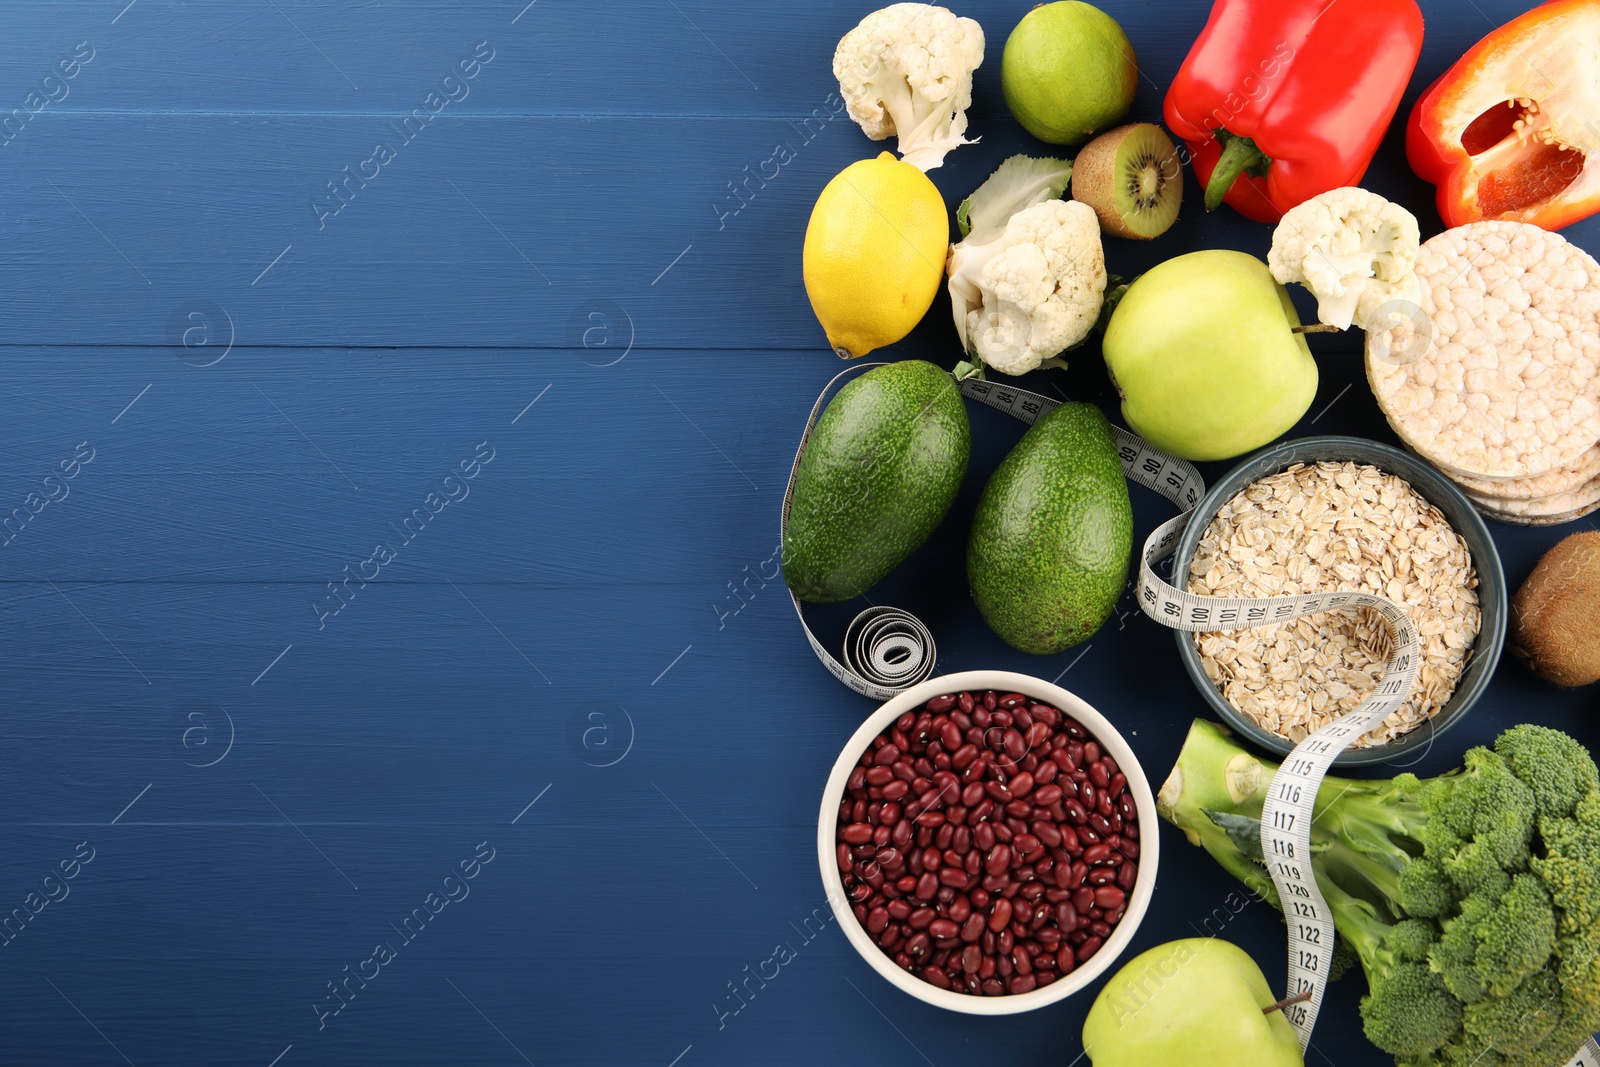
[1496, 378]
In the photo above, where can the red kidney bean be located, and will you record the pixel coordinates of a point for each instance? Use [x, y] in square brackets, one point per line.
[1046, 795]
[1101, 824]
[973, 928]
[1087, 835]
[1109, 897]
[1038, 733]
[944, 929]
[857, 833]
[983, 836]
[1021, 785]
[877, 920]
[1097, 772]
[1089, 948]
[1100, 928]
[1102, 876]
[896, 790]
[1127, 875]
[950, 736]
[971, 959]
[1076, 812]
[998, 859]
[942, 703]
[921, 918]
[963, 756]
[1000, 915]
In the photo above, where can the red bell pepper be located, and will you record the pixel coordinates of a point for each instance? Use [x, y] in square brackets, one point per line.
[1280, 100]
[1512, 130]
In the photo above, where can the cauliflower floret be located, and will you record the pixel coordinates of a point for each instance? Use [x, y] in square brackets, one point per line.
[1356, 252]
[1033, 292]
[907, 71]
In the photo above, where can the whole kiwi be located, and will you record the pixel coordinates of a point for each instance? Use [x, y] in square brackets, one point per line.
[1554, 615]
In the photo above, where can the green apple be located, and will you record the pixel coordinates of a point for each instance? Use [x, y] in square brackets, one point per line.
[1068, 72]
[1196, 1001]
[1204, 353]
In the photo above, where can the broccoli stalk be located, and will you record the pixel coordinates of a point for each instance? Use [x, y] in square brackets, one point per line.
[1472, 900]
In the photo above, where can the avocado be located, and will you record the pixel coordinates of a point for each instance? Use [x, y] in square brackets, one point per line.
[1053, 533]
[882, 467]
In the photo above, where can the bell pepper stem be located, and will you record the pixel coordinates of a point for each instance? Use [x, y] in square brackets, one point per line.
[1239, 155]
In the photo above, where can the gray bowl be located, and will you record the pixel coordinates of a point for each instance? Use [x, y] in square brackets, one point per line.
[1439, 491]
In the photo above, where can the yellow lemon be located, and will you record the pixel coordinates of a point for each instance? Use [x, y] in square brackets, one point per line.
[874, 254]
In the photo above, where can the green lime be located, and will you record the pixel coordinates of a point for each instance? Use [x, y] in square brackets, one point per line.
[1068, 72]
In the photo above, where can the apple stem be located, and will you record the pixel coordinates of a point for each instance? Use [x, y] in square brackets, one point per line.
[1298, 998]
[1316, 327]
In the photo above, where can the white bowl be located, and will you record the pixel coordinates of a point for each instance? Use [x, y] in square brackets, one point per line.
[1111, 743]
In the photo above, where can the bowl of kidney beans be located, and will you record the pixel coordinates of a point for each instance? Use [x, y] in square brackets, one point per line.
[982, 842]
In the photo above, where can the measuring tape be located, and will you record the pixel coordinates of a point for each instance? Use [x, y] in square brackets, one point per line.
[888, 650]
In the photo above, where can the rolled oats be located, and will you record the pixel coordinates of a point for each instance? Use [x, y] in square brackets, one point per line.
[1321, 528]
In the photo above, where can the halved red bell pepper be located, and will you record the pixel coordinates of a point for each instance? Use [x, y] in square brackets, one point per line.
[1280, 100]
[1512, 130]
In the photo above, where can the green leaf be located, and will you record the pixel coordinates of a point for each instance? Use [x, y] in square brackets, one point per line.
[965, 370]
[1243, 831]
[1019, 182]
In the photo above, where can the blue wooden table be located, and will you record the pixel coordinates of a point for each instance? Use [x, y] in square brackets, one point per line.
[397, 401]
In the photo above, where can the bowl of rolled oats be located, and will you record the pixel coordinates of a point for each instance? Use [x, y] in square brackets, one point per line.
[1328, 514]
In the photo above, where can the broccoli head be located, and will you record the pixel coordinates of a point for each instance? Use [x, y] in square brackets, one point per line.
[1472, 900]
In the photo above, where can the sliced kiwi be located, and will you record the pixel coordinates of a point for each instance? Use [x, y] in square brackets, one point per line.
[1132, 179]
